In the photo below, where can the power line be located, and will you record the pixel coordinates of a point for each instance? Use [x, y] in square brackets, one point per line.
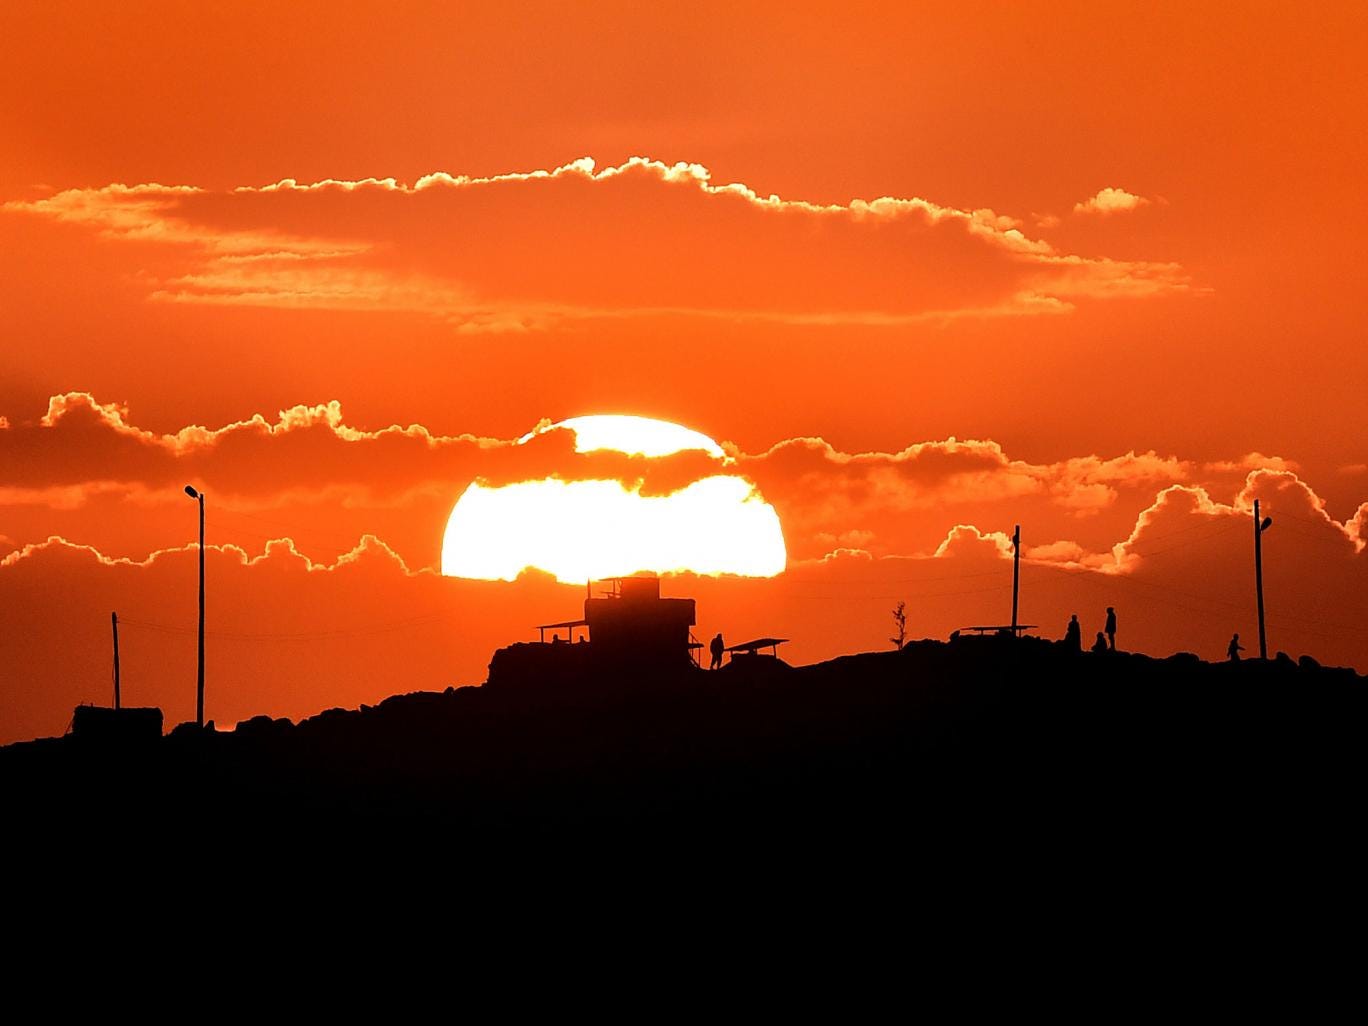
[1225, 529]
[938, 594]
[1208, 601]
[898, 580]
[373, 628]
[296, 530]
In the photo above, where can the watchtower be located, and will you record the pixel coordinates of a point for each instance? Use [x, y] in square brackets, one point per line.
[632, 624]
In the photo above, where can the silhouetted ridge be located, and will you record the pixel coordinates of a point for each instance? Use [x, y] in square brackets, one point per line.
[974, 735]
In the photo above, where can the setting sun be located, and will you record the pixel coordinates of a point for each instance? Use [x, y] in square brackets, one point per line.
[639, 436]
[579, 530]
[399, 298]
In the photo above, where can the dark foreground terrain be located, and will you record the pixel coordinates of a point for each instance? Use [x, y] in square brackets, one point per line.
[999, 743]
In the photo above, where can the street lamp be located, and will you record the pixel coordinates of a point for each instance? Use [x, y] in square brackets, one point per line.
[1260, 526]
[199, 690]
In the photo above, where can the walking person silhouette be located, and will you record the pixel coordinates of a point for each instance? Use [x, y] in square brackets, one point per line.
[1111, 627]
[1234, 649]
[716, 647]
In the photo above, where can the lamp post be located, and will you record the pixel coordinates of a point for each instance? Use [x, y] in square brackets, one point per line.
[1016, 575]
[1260, 526]
[199, 688]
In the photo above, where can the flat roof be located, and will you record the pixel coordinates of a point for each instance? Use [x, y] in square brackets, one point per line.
[751, 646]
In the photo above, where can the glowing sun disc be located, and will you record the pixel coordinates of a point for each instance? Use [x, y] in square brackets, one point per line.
[637, 436]
[578, 530]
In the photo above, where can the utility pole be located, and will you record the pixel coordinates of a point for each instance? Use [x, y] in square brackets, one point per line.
[1260, 526]
[114, 622]
[199, 683]
[1016, 575]
[199, 690]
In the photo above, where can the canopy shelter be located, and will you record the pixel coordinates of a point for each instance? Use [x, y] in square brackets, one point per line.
[754, 647]
[1003, 629]
[565, 625]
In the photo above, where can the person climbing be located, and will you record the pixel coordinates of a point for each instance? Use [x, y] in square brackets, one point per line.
[1234, 649]
[1100, 645]
[1111, 627]
[717, 647]
[1073, 635]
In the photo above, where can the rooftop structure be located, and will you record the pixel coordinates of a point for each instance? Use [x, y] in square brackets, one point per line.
[626, 627]
[632, 624]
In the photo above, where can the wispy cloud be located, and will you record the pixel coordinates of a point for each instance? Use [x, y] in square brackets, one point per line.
[519, 251]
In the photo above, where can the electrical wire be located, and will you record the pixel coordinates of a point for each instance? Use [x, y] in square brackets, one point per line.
[374, 628]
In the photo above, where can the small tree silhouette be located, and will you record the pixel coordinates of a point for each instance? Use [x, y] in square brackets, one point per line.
[900, 621]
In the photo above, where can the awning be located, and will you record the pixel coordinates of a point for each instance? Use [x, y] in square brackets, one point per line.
[568, 625]
[756, 645]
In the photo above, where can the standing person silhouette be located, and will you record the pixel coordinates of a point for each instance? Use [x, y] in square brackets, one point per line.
[1073, 635]
[716, 647]
[1111, 627]
[1234, 649]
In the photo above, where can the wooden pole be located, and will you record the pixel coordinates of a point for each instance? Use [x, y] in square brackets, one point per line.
[114, 622]
[199, 690]
[1016, 575]
[1258, 578]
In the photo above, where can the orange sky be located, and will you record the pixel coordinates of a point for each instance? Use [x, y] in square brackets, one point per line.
[1119, 247]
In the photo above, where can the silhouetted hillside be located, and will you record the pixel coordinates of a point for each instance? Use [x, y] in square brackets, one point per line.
[980, 739]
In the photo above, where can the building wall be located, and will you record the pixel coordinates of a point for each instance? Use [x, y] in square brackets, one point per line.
[645, 630]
